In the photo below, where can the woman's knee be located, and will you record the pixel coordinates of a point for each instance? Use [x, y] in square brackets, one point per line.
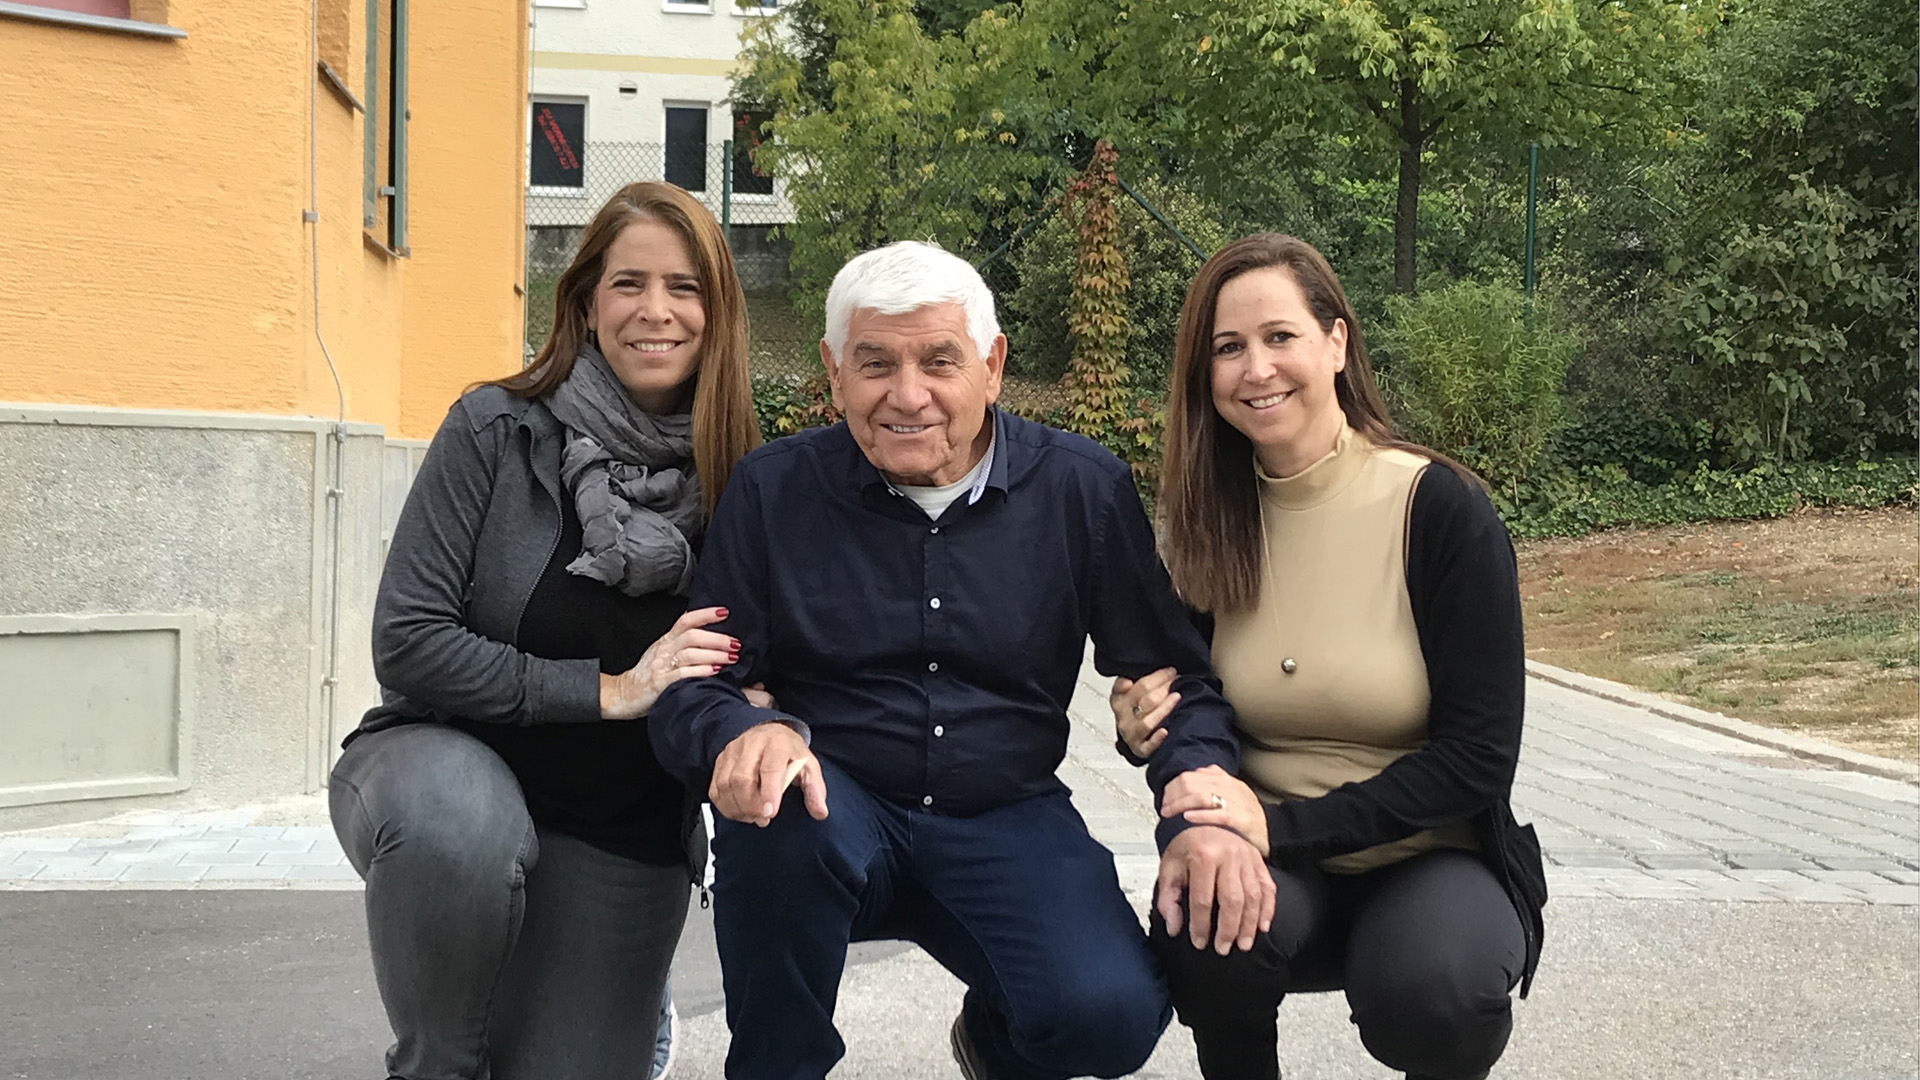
[1440, 1027]
[1432, 957]
[433, 797]
[1205, 985]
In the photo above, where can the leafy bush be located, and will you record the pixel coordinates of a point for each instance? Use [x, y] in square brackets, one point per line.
[1579, 501]
[1159, 268]
[1650, 448]
[1476, 376]
[1802, 328]
[787, 403]
[1791, 265]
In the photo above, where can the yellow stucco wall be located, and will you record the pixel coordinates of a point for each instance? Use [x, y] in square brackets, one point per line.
[152, 253]
[469, 200]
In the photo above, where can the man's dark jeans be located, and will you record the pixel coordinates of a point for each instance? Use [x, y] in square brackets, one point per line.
[1020, 903]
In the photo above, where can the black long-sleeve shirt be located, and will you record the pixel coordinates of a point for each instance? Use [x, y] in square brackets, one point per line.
[933, 660]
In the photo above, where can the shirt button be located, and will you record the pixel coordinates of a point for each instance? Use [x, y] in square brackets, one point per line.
[926, 800]
[935, 530]
[938, 730]
[933, 665]
[934, 603]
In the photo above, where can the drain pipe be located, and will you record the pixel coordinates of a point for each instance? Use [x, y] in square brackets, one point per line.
[337, 435]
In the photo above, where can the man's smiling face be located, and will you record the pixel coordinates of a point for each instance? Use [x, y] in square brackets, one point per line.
[915, 391]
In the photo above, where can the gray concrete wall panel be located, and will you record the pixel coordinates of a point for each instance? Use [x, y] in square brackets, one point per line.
[94, 707]
[225, 520]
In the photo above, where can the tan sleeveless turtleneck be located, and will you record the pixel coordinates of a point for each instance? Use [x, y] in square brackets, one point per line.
[1325, 672]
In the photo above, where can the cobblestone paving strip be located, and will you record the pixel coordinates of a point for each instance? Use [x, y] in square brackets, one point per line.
[1628, 804]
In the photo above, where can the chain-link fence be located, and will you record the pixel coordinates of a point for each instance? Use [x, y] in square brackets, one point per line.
[1024, 244]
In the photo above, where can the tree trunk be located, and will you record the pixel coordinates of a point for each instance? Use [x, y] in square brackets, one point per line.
[1406, 208]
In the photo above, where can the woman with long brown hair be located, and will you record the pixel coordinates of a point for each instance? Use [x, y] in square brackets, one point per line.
[1366, 630]
[527, 860]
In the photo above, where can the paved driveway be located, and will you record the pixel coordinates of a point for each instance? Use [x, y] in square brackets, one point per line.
[1721, 909]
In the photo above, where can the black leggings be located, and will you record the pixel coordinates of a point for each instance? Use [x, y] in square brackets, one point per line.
[1427, 950]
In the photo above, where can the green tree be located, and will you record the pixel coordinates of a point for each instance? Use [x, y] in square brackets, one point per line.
[1412, 77]
[883, 132]
[1793, 284]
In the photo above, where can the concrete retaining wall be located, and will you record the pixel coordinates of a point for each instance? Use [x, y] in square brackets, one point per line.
[169, 604]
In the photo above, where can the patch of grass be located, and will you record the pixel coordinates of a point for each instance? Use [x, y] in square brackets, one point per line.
[1810, 625]
[1851, 624]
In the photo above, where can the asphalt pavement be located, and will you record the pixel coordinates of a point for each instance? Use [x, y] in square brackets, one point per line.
[1727, 904]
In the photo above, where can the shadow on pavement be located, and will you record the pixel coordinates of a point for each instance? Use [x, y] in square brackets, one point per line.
[228, 985]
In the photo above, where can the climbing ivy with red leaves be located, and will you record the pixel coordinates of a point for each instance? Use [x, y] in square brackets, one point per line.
[1102, 403]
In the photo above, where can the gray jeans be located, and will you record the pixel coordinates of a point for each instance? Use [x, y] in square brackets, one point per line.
[502, 951]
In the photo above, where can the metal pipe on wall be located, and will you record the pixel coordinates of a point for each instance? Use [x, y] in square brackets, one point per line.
[337, 436]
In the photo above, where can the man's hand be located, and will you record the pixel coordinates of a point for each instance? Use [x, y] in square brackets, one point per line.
[1215, 866]
[754, 771]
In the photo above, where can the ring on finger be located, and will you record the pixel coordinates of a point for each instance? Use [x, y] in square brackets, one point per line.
[1219, 801]
[1136, 710]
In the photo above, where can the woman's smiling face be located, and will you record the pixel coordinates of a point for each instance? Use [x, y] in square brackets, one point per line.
[649, 314]
[1273, 370]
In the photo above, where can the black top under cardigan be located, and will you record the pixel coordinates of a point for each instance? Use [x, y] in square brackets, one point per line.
[598, 782]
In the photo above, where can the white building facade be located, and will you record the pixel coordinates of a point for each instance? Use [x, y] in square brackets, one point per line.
[625, 90]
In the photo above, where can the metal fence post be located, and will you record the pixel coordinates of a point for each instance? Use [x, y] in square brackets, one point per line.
[1533, 186]
[726, 190]
[1155, 213]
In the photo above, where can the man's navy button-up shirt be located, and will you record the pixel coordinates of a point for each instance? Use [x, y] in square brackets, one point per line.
[933, 659]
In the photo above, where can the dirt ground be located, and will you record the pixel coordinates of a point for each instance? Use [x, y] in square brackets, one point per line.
[1809, 623]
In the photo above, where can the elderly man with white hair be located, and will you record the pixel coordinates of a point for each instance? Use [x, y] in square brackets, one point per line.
[916, 586]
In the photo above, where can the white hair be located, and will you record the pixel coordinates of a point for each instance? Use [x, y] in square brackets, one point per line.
[903, 277]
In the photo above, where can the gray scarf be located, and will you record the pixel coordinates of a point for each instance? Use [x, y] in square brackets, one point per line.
[633, 483]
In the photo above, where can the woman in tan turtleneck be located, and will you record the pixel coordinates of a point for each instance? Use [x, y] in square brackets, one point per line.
[1366, 629]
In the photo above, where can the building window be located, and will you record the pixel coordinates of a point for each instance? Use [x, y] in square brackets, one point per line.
[687, 146]
[384, 194]
[747, 177]
[558, 138]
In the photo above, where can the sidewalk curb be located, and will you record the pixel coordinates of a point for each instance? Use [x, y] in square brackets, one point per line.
[1798, 745]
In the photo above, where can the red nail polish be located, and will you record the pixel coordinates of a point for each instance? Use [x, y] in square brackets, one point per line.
[722, 612]
[733, 644]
